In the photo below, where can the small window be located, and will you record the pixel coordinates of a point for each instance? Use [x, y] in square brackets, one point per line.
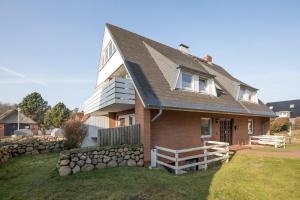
[202, 85]
[250, 126]
[292, 106]
[206, 128]
[187, 81]
[130, 120]
[271, 107]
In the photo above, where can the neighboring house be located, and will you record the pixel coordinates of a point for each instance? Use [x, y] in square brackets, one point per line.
[178, 99]
[9, 123]
[289, 109]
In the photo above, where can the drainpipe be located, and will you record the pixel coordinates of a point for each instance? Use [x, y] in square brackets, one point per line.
[158, 115]
[18, 109]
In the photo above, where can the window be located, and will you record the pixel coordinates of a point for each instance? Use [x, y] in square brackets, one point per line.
[250, 126]
[107, 53]
[206, 127]
[130, 120]
[202, 85]
[292, 106]
[271, 107]
[187, 81]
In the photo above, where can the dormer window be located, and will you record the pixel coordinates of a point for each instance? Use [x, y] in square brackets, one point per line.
[292, 106]
[187, 81]
[202, 85]
[248, 95]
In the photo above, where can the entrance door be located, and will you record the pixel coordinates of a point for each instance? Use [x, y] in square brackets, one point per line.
[226, 130]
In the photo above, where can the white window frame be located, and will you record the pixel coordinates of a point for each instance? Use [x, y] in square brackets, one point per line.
[271, 107]
[206, 86]
[210, 127]
[252, 128]
[192, 81]
[292, 105]
[126, 117]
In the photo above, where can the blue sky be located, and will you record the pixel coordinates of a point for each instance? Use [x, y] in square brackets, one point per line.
[53, 47]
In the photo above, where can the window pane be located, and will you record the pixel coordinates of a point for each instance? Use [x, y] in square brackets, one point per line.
[186, 81]
[110, 50]
[250, 126]
[202, 85]
[205, 126]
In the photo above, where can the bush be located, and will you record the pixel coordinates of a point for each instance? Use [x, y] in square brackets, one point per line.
[297, 123]
[75, 132]
[280, 124]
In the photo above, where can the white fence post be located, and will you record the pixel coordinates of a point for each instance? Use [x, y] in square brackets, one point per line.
[227, 153]
[154, 158]
[176, 163]
[205, 156]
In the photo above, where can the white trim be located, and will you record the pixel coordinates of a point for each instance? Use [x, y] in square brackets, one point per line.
[210, 128]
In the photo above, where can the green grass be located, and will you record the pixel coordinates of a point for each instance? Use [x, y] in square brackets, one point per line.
[245, 177]
[289, 148]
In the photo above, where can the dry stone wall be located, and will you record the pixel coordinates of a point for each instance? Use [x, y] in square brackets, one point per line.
[86, 159]
[29, 145]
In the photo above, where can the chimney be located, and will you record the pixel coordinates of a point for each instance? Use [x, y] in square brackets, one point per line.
[184, 48]
[208, 58]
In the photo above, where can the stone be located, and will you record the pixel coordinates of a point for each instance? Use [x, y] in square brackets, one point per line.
[136, 152]
[131, 163]
[88, 161]
[112, 163]
[120, 160]
[106, 159]
[83, 157]
[125, 149]
[80, 163]
[94, 161]
[122, 163]
[132, 156]
[95, 156]
[41, 147]
[141, 155]
[126, 157]
[64, 162]
[140, 163]
[75, 159]
[99, 160]
[21, 151]
[76, 169]
[87, 167]
[100, 166]
[112, 154]
[64, 171]
[35, 152]
[72, 164]
[29, 148]
[120, 150]
[137, 158]
[95, 152]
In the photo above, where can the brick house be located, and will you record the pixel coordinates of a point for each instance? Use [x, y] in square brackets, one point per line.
[9, 123]
[178, 99]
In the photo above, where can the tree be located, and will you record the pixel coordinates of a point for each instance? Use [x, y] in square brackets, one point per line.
[34, 106]
[56, 116]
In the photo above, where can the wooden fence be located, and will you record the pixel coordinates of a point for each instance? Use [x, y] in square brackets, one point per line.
[276, 141]
[212, 151]
[119, 135]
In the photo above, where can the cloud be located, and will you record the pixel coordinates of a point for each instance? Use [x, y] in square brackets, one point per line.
[24, 79]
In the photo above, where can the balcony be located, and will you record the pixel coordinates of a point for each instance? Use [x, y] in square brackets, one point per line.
[116, 95]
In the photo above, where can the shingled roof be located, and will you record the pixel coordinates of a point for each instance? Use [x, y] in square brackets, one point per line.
[138, 53]
[286, 106]
[11, 117]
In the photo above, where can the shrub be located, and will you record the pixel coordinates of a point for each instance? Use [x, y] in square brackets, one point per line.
[75, 132]
[297, 123]
[280, 124]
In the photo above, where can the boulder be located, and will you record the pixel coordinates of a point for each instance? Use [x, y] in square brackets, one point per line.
[94, 161]
[80, 163]
[64, 171]
[88, 161]
[100, 166]
[131, 163]
[140, 163]
[76, 169]
[112, 163]
[64, 162]
[106, 159]
[72, 164]
[87, 167]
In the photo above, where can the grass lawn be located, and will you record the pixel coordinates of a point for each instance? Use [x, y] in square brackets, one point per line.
[245, 177]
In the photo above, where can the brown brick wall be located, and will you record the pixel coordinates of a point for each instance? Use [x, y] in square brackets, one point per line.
[142, 117]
